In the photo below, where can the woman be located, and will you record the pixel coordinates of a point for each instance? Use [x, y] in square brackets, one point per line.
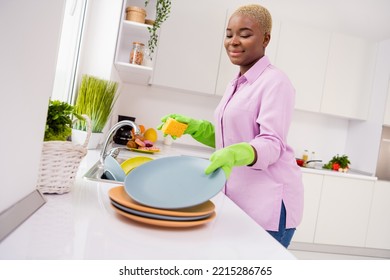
[252, 121]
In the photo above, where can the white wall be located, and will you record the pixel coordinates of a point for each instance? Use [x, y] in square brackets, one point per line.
[99, 37]
[325, 135]
[30, 33]
[149, 103]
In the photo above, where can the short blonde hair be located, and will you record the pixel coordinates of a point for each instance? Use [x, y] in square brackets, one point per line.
[258, 13]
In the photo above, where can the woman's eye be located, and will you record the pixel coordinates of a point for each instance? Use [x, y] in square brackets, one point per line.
[245, 35]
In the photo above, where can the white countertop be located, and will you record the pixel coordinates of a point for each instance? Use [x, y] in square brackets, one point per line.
[82, 225]
[349, 174]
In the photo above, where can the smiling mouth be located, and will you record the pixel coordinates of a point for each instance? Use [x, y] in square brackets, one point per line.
[235, 53]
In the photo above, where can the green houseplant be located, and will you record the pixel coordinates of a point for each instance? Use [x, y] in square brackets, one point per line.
[59, 121]
[163, 9]
[60, 158]
[96, 98]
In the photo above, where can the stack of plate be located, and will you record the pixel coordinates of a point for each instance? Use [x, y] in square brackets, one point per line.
[184, 217]
[170, 191]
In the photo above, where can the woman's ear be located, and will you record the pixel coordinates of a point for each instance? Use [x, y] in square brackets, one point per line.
[267, 39]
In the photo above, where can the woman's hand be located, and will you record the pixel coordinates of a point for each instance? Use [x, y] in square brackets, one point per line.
[234, 155]
[201, 130]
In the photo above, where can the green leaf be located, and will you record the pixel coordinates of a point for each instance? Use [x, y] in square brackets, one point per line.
[163, 9]
[58, 121]
[343, 161]
[96, 98]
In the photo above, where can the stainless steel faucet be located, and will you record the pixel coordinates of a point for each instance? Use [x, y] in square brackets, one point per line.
[113, 129]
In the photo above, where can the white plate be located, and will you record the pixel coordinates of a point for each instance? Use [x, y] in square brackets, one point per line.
[114, 168]
[157, 216]
[173, 182]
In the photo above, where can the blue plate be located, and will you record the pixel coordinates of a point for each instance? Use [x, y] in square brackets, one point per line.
[173, 182]
[114, 169]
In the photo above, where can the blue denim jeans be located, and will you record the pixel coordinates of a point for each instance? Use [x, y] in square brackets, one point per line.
[283, 236]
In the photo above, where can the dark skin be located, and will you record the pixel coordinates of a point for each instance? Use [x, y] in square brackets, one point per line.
[245, 41]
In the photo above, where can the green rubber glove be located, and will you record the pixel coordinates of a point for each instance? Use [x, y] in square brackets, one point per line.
[234, 155]
[201, 130]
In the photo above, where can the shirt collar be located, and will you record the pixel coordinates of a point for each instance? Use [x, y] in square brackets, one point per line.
[254, 72]
[257, 69]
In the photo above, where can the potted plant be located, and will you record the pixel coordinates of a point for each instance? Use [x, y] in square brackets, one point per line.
[96, 98]
[163, 9]
[59, 121]
[60, 158]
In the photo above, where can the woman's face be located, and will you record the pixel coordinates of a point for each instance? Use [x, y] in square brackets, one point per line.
[245, 41]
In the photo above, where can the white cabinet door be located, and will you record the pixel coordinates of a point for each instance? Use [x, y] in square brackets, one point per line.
[349, 74]
[227, 71]
[302, 54]
[313, 186]
[378, 234]
[190, 46]
[344, 211]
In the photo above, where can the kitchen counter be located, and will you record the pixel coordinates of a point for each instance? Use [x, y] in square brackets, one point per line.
[82, 225]
[350, 174]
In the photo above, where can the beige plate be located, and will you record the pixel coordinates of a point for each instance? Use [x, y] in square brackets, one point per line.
[164, 223]
[119, 195]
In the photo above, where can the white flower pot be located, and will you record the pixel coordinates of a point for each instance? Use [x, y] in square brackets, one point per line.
[79, 136]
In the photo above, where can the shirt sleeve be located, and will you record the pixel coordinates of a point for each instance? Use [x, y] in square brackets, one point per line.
[274, 119]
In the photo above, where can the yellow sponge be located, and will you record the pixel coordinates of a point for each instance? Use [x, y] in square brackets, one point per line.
[173, 127]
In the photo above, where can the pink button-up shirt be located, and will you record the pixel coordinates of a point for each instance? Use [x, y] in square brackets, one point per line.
[257, 108]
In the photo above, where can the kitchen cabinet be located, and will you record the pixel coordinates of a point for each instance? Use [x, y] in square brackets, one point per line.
[344, 211]
[312, 186]
[378, 233]
[190, 46]
[129, 32]
[349, 74]
[302, 54]
[227, 71]
[331, 72]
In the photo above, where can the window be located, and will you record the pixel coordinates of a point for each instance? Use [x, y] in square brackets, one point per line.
[68, 54]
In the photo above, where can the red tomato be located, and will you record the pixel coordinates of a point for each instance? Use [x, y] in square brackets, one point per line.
[335, 166]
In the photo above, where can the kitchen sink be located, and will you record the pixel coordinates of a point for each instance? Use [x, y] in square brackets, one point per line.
[96, 173]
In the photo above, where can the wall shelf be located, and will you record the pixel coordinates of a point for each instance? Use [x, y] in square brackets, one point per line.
[129, 32]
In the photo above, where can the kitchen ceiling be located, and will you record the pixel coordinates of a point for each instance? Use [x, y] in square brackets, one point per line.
[365, 18]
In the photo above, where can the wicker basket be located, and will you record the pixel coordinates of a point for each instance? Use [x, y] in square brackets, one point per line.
[59, 164]
[135, 14]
